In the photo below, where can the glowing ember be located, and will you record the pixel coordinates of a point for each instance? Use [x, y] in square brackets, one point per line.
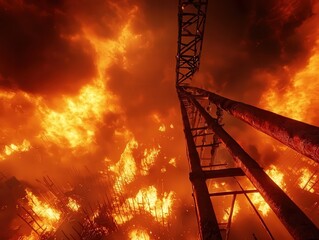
[125, 168]
[49, 217]
[148, 201]
[172, 161]
[138, 234]
[307, 180]
[162, 128]
[73, 205]
[148, 160]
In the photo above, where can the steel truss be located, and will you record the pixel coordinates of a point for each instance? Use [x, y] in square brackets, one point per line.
[191, 24]
[204, 133]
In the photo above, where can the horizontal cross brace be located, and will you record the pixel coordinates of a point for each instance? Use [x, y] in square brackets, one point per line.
[221, 173]
[232, 193]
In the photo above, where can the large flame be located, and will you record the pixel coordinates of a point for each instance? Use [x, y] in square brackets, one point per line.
[75, 124]
[300, 96]
[72, 121]
[236, 209]
[65, 124]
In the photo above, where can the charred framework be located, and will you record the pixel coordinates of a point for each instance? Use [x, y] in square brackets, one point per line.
[204, 132]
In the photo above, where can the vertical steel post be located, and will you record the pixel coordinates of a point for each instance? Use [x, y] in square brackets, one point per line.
[209, 228]
[296, 222]
[302, 137]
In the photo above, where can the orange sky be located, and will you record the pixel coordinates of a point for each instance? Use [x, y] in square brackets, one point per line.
[79, 80]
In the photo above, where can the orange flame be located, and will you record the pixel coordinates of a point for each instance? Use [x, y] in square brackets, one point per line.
[307, 180]
[126, 167]
[147, 200]
[301, 94]
[148, 160]
[49, 216]
[74, 120]
[13, 148]
[138, 234]
[260, 203]
[258, 200]
[235, 212]
[75, 124]
[32, 236]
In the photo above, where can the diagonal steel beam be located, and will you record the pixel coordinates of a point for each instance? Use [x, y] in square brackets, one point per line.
[295, 221]
[209, 228]
[302, 137]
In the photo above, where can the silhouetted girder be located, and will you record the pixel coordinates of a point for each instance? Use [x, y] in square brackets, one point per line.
[209, 228]
[191, 24]
[295, 221]
[302, 137]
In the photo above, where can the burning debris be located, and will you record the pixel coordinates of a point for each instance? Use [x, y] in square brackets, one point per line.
[74, 215]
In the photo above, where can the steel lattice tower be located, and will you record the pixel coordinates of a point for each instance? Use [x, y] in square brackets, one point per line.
[204, 133]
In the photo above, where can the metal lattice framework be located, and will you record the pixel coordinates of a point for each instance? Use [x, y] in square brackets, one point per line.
[204, 134]
[191, 20]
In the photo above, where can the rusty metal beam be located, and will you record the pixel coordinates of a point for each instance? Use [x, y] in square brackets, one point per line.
[295, 221]
[209, 228]
[302, 137]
